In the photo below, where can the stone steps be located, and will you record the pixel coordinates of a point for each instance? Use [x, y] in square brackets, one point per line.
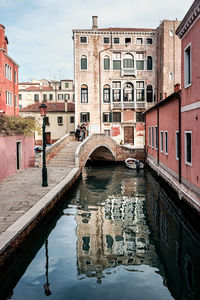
[66, 157]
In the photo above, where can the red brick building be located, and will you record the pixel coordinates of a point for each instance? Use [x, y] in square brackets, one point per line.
[172, 126]
[9, 104]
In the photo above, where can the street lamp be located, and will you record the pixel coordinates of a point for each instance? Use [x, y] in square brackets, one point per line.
[43, 110]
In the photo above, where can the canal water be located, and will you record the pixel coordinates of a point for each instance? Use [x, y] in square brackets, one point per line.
[118, 235]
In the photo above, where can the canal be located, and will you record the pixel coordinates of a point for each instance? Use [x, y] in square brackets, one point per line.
[118, 235]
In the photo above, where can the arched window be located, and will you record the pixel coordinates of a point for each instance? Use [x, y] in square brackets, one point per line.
[128, 92]
[83, 62]
[149, 63]
[128, 61]
[106, 93]
[84, 93]
[149, 93]
[106, 62]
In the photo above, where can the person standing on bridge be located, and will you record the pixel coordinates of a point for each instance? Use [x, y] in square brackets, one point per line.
[78, 132]
[83, 132]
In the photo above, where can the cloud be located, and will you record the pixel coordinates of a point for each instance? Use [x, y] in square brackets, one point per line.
[40, 32]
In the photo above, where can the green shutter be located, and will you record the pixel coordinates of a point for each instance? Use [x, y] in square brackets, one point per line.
[81, 118]
[110, 117]
[88, 117]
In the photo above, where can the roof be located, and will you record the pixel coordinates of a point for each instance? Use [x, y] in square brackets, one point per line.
[173, 96]
[28, 83]
[51, 107]
[38, 88]
[191, 16]
[126, 29]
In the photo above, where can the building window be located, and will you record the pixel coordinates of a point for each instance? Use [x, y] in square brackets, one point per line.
[66, 96]
[116, 116]
[66, 85]
[140, 60]
[139, 91]
[20, 96]
[106, 62]
[166, 142]
[15, 77]
[9, 98]
[128, 92]
[188, 147]
[139, 116]
[149, 93]
[60, 96]
[171, 77]
[128, 61]
[149, 41]
[116, 40]
[116, 85]
[139, 41]
[177, 145]
[46, 120]
[187, 67]
[60, 121]
[83, 62]
[156, 137]
[71, 119]
[15, 100]
[149, 136]
[171, 33]
[107, 117]
[116, 61]
[106, 93]
[84, 94]
[106, 40]
[50, 96]
[8, 72]
[36, 97]
[84, 117]
[127, 41]
[149, 63]
[83, 40]
[152, 137]
[161, 141]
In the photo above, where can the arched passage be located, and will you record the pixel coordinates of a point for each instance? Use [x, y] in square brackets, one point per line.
[101, 153]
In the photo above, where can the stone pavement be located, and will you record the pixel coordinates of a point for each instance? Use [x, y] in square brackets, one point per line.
[21, 191]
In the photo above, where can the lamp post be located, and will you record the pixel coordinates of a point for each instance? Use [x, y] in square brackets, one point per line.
[43, 110]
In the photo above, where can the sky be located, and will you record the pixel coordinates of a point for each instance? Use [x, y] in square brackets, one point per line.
[40, 31]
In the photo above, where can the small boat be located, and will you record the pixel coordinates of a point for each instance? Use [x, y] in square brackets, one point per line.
[133, 163]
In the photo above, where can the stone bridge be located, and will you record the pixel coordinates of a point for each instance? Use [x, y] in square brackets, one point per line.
[100, 147]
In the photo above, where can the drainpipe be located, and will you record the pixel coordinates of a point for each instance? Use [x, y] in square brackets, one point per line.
[100, 108]
[158, 149]
[179, 142]
[13, 78]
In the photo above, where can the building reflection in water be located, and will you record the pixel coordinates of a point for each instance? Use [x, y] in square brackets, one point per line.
[177, 238]
[112, 229]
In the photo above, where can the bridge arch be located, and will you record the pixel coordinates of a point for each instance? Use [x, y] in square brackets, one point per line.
[92, 145]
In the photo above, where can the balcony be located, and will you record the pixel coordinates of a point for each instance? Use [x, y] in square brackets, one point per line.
[128, 104]
[129, 72]
[141, 104]
[116, 105]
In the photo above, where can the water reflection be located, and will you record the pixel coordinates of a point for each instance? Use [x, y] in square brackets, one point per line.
[176, 238]
[118, 236]
[111, 226]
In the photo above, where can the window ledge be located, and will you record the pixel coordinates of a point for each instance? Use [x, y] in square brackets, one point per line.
[188, 85]
[188, 164]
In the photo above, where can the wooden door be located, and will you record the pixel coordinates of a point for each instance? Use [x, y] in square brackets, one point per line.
[129, 135]
[48, 137]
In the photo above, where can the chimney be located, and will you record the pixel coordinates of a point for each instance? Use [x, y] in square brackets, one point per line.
[94, 23]
[3, 38]
[177, 87]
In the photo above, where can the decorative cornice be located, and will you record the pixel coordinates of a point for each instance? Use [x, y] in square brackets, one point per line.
[190, 18]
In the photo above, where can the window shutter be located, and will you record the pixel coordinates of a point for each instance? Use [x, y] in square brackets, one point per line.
[110, 117]
[132, 94]
[119, 95]
[103, 117]
[88, 117]
[81, 117]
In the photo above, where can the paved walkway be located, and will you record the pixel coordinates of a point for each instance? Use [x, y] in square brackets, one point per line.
[19, 192]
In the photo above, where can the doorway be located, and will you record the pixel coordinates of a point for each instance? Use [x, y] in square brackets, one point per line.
[129, 135]
[48, 137]
[19, 155]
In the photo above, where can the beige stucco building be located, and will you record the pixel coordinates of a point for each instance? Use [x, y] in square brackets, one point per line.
[60, 119]
[44, 90]
[117, 78]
